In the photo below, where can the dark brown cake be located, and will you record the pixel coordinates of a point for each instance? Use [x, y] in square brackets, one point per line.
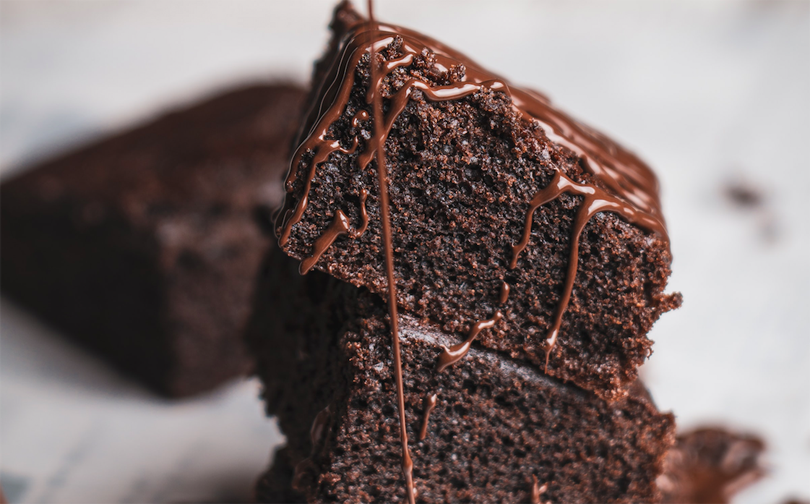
[324, 354]
[471, 161]
[144, 247]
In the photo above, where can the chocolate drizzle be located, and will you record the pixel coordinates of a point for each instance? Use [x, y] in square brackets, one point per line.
[624, 184]
[594, 200]
[504, 293]
[378, 141]
[616, 180]
[340, 225]
[455, 353]
[537, 491]
[428, 404]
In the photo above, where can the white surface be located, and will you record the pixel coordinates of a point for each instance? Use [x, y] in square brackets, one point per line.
[705, 91]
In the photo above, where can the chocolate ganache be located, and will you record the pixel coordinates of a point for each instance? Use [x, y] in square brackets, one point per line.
[621, 182]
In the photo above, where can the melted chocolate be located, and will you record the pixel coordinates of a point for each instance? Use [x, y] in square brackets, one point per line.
[504, 293]
[428, 404]
[378, 141]
[594, 200]
[537, 491]
[340, 226]
[622, 183]
[710, 465]
[455, 353]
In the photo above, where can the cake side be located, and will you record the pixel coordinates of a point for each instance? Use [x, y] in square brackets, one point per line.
[497, 423]
[463, 174]
[144, 246]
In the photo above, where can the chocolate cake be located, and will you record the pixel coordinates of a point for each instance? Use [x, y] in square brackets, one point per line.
[493, 194]
[522, 257]
[145, 246]
[488, 429]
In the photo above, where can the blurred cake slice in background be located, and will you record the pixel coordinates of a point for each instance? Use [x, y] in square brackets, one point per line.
[144, 246]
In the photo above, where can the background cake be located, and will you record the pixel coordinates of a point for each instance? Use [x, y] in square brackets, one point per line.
[145, 246]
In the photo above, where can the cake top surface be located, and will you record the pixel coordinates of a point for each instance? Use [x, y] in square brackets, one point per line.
[622, 182]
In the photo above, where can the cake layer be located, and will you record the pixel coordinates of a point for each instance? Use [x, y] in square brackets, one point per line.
[502, 207]
[144, 246]
[499, 430]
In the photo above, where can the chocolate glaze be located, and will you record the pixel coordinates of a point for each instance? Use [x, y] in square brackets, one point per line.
[621, 183]
[624, 175]
[594, 200]
[537, 491]
[340, 226]
[504, 293]
[378, 140]
[455, 353]
[428, 404]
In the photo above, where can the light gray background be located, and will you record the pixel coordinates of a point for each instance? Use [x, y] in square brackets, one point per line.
[707, 92]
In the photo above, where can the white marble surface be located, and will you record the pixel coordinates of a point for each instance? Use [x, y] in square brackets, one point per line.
[705, 91]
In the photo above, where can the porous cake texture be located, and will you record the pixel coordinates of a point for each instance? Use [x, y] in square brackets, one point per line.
[497, 425]
[471, 169]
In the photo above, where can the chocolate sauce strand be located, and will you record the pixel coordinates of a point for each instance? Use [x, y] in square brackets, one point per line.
[504, 293]
[340, 226]
[428, 404]
[595, 200]
[455, 353]
[537, 491]
[385, 211]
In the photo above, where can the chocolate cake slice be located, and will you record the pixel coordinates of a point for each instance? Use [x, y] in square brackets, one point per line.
[487, 429]
[145, 247]
[502, 208]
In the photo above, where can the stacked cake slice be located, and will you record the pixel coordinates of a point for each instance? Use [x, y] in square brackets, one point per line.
[526, 262]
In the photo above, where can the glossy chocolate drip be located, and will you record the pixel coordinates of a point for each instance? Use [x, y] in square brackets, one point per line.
[624, 175]
[378, 142]
[428, 404]
[504, 293]
[537, 491]
[455, 353]
[594, 200]
[340, 226]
